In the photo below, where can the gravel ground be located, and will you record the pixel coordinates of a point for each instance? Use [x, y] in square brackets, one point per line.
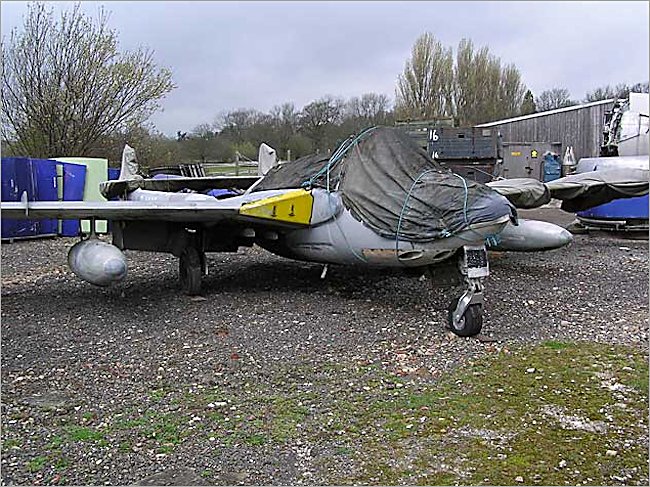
[76, 356]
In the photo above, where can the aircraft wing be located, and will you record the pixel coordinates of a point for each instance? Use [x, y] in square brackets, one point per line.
[120, 210]
[282, 208]
[115, 188]
[578, 191]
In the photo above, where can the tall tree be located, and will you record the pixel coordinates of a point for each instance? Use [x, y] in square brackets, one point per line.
[200, 144]
[365, 111]
[528, 106]
[318, 117]
[483, 89]
[65, 85]
[424, 89]
[511, 92]
[553, 99]
[371, 107]
[236, 123]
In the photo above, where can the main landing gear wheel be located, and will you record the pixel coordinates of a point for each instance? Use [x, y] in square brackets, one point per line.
[190, 270]
[470, 323]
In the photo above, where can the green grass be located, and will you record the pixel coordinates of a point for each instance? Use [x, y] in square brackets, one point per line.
[501, 403]
[230, 170]
[10, 443]
[81, 433]
[556, 345]
[36, 464]
[494, 418]
[162, 431]
[256, 439]
[60, 462]
[158, 394]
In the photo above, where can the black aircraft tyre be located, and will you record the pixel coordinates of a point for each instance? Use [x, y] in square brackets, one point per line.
[189, 271]
[471, 322]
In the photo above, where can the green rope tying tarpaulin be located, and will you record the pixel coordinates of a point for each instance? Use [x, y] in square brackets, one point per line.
[378, 170]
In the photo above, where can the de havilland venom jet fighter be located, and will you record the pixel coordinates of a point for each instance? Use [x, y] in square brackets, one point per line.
[377, 201]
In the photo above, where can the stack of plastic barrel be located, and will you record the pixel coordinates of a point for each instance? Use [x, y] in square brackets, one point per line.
[45, 180]
[37, 178]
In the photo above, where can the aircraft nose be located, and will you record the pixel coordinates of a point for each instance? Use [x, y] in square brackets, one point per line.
[115, 268]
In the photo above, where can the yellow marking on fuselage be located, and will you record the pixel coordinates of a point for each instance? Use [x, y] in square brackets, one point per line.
[293, 207]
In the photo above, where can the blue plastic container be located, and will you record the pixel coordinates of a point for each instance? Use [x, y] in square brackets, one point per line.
[9, 193]
[44, 173]
[625, 209]
[74, 180]
[25, 182]
[552, 167]
[113, 173]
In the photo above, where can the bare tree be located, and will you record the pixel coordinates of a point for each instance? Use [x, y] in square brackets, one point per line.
[317, 118]
[371, 107]
[65, 86]
[424, 88]
[236, 122]
[553, 99]
[640, 87]
[286, 117]
[603, 93]
[621, 90]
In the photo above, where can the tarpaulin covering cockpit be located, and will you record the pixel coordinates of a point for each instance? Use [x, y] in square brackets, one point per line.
[394, 187]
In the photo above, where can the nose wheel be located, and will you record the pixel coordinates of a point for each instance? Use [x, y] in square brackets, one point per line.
[465, 314]
[191, 267]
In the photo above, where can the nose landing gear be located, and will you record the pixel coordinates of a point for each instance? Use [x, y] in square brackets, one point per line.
[465, 316]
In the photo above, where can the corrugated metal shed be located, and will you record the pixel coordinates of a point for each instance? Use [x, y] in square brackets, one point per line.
[580, 126]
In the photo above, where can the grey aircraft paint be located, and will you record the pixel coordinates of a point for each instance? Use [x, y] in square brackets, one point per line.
[97, 262]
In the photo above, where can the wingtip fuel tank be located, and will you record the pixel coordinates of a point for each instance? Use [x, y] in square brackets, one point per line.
[532, 235]
[97, 262]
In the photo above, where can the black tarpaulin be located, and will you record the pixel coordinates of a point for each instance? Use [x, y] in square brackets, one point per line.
[293, 174]
[585, 190]
[393, 186]
[522, 192]
[578, 192]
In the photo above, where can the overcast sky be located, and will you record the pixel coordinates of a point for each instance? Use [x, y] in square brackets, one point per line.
[228, 55]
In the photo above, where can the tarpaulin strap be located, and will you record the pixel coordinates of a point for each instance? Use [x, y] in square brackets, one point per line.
[337, 156]
[406, 200]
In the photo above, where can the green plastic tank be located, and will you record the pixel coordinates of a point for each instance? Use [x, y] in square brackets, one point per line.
[96, 172]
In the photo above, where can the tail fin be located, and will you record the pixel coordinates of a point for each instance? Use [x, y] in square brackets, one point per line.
[129, 169]
[267, 158]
